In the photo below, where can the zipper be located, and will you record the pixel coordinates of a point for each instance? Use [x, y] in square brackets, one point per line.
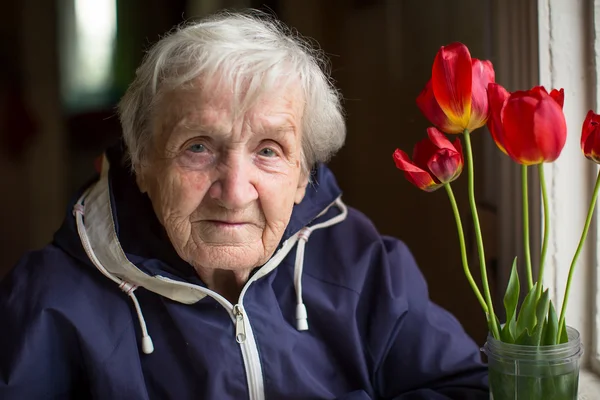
[243, 336]
[240, 330]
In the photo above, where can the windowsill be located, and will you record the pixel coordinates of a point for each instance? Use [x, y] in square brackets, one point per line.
[589, 385]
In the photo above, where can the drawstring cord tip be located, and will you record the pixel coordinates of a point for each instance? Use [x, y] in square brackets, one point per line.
[147, 345]
[301, 318]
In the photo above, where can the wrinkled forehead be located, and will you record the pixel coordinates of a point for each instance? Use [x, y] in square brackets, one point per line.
[214, 101]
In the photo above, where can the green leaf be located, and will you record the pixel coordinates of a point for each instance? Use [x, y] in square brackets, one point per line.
[527, 318]
[550, 334]
[506, 334]
[511, 298]
[513, 327]
[541, 312]
[525, 338]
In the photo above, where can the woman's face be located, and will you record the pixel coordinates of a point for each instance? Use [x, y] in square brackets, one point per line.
[224, 186]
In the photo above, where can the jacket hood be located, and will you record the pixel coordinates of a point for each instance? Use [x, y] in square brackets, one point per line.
[114, 228]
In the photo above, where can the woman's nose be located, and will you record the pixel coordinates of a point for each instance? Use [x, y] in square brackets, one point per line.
[234, 187]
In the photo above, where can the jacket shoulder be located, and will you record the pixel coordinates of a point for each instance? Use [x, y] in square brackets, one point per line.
[50, 279]
[352, 252]
[49, 304]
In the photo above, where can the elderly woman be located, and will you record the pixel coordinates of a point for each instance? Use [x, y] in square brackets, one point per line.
[247, 277]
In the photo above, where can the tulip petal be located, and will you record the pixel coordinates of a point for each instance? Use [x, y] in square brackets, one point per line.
[536, 91]
[592, 148]
[549, 128]
[517, 121]
[588, 127]
[452, 82]
[415, 175]
[422, 153]
[558, 96]
[439, 139]
[431, 110]
[590, 136]
[446, 165]
[497, 97]
[483, 75]
[458, 146]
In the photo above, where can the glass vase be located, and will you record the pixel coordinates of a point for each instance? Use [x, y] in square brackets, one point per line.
[520, 372]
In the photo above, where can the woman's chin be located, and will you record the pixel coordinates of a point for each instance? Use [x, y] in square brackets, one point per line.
[228, 256]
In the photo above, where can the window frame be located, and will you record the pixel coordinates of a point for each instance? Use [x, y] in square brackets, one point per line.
[566, 54]
[595, 288]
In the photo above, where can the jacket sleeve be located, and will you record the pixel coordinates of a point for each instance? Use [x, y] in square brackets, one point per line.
[422, 351]
[38, 349]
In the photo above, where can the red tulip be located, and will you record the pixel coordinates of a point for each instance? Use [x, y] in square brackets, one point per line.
[529, 125]
[455, 98]
[436, 161]
[590, 137]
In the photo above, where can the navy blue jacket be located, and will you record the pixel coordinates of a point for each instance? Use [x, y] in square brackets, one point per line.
[68, 331]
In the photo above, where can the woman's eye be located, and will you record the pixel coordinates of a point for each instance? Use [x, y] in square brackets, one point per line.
[197, 148]
[267, 152]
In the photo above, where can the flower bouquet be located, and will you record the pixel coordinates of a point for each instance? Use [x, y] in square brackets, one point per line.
[533, 354]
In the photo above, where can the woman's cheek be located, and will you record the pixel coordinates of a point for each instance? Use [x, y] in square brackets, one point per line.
[194, 188]
[182, 192]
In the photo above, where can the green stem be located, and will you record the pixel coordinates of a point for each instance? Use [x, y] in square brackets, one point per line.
[526, 244]
[463, 249]
[486, 287]
[586, 228]
[546, 229]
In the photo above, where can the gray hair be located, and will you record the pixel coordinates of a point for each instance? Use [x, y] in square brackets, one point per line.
[248, 51]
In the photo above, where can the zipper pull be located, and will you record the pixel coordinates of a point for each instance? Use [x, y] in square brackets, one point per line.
[240, 331]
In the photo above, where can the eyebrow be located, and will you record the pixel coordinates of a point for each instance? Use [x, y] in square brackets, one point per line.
[193, 125]
[184, 130]
[284, 128]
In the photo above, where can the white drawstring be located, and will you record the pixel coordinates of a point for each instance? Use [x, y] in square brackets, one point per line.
[128, 288]
[303, 236]
[301, 314]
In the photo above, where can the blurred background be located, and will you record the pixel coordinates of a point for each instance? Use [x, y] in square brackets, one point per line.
[65, 64]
